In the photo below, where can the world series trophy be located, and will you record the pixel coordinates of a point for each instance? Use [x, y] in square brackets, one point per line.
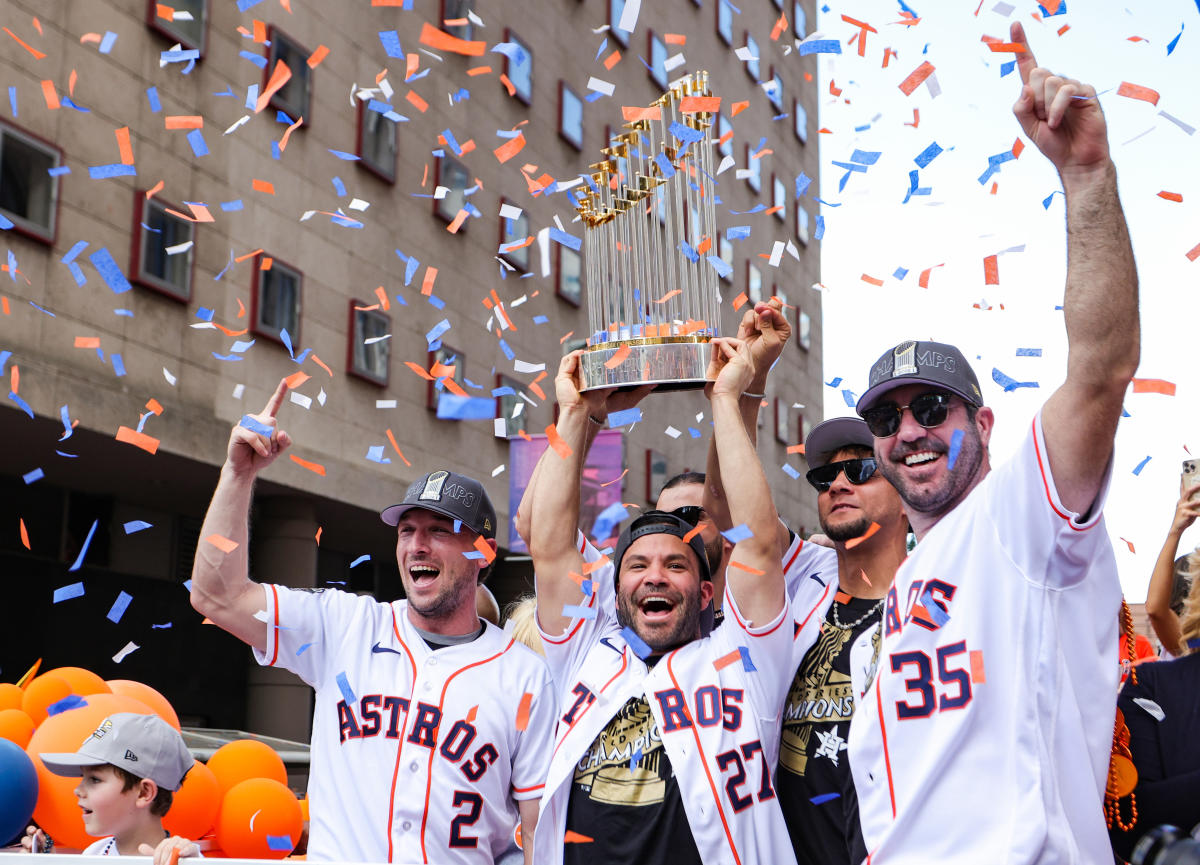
[650, 222]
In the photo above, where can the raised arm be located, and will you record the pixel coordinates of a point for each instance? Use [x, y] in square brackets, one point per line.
[757, 585]
[221, 585]
[1162, 580]
[1063, 118]
[553, 506]
[765, 331]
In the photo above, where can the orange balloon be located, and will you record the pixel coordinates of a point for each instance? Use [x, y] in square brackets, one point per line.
[194, 809]
[16, 726]
[83, 682]
[10, 695]
[57, 811]
[152, 698]
[273, 811]
[242, 760]
[43, 692]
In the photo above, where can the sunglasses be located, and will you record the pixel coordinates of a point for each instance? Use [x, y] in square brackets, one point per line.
[929, 410]
[690, 514]
[858, 471]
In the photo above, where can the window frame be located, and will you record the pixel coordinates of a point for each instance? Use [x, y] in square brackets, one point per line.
[614, 15]
[802, 223]
[388, 177]
[353, 337]
[803, 330]
[165, 30]
[779, 197]
[751, 270]
[432, 394]
[722, 241]
[511, 36]
[256, 289]
[522, 421]
[799, 19]
[558, 276]
[148, 280]
[782, 420]
[754, 166]
[724, 124]
[756, 62]
[21, 225]
[438, 171]
[726, 37]
[563, 89]
[651, 39]
[776, 100]
[514, 257]
[459, 31]
[798, 109]
[274, 36]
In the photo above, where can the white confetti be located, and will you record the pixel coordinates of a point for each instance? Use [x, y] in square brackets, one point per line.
[241, 121]
[673, 62]
[300, 399]
[776, 253]
[385, 403]
[179, 247]
[170, 378]
[497, 470]
[629, 16]
[121, 655]
[371, 340]
[599, 86]
[1152, 708]
[359, 204]
[500, 428]
[523, 366]
[510, 211]
[672, 432]
[239, 390]
[744, 54]
[321, 397]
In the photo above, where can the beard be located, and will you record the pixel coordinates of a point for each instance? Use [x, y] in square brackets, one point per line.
[940, 499]
[714, 551]
[848, 531]
[455, 591]
[684, 628]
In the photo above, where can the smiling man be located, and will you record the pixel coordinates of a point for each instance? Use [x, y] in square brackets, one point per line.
[986, 733]
[429, 724]
[666, 746]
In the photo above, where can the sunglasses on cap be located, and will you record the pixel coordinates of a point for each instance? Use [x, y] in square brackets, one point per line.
[690, 514]
[929, 410]
[858, 471]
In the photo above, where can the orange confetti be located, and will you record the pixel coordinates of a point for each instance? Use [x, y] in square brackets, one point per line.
[1017, 148]
[1136, 91]
[1006, 47]
[314, 59]
[419, 370]
[87, 342]
[916, 118]
[287, 134]
[263, 186]
[923, 281]
[692, 104]
[916, 78]
[670, 294]
[1063, 29]
[795, 449]
[741, 567]
[508, 85]
[1129, 544]
[456, 223]
[383, 298]
[37, 55]
[854, 542]
[691, 533]
[634, 113]
[317, 536]
[675, 38]
[479, 70]
[738, 107]
[5, 309]
[510, 148]
[1153, 385]
[124, 146]
[740, 301]
[280, 76]
[779, 27]
[15, 379]
[991, 270]
[222, 543]
[1171, 196]
[471, 713]
[439, 40]
[137, 439]
[556, 441]
[51, 95]
[573, 837]
[184, 121]
[485, 549]
[431, 275]
[316, 468]
[871, 279]
[400, 453]
[24, 535]
[416, 101]
[618, 357]
[726, 660]
[154, 407]
[612, 59]
[978, 674]
[1194, 252]
[297, 379]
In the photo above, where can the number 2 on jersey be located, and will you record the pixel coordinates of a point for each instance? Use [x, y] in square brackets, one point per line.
[474, 803]
[740, 801]
[956, 683]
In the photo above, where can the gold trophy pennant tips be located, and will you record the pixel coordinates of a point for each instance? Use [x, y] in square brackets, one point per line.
[649, 216]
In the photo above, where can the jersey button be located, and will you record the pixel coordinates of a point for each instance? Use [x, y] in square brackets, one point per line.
[415, 766]
[432, 661]
[406, 825]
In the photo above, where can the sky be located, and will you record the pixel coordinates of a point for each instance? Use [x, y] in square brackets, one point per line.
[871, 234]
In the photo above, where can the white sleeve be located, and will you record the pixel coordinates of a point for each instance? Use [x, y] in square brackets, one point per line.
[566, 652]
[769, 649]
[1050, 544]
[603, 584]
[807, 567]
[305, 628]
[535, 744]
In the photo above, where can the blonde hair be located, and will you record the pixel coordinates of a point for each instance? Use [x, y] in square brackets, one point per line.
[1189, 623]
[522, 613]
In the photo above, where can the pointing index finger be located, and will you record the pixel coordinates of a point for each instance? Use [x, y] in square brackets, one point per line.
[276, 399]
[1026, 62]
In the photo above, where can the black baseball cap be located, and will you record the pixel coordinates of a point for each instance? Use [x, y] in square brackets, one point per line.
[830, 436]
[661, 523]
[919, 362]
[451, 495]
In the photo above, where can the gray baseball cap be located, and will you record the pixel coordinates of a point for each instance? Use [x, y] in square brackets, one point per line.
[142, 745]
[451, 495]
[830, 436]
[918, 362]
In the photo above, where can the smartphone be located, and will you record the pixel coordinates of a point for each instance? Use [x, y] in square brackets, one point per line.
[1191, 473]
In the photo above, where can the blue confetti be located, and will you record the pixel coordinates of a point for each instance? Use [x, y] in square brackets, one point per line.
[365, 557]
[934, 608]
[790, 471]
[1140, 466]
[693, 432]
[738, 533]
[375, 455]
[343, 155]
[737, 232]
[344, 685]
[624, 417]
[1008, 382]
[117, 169]
[835, 383]
[1029, 352]
[824, 797]
[608, 519]
[454, 407]
[390, 40]
[160, 627]
[12, 100]
[66, 593]
[1049, 198]
[720, 265]
[1171, 45]
[199, 146]
[243, 5]
[819, 231]
[820, 46]
[118, 364]
[152, 98]
[575, 611]
[1061, 10]
[66, 704]
[108, 269]
[636, 643]
[137, 526]
[927, 155]
[803, 181]
[865, 157]
[435, 333]
[86, 543]
[747, 664]
[254, 425]
[59, 171]
[900, 272]
[956, 441]
[685, 133]
[282, 843]
[568, 240]
[635, 759]
[120, 605]
[255, 58]
[1007, 67]
[849, 397]
[304, 648]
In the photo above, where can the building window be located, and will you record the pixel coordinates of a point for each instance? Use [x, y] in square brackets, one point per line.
[658, 59]
[774, 90]
[778, 3]
[456, 18]
[162, 248]
[445, 365]
[511, 407]
[515, 230]
[518, 66]
[804, 331]
[570, 116]
[276, 299]
[726, 252]
[724, 135]
[779, 198]
[377, 136]
[570, 275]
[188, 24]
[452, 176]
[754, 170]
[801, 223]
[295, 97]
[370, 348]
[799, 19]
[781, 420]
[753, 283]
[615, 8]
[800, 113]
[725, 21]
[752, 65]
[28, 194]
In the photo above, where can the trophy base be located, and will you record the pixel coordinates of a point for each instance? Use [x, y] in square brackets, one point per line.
[671, 364]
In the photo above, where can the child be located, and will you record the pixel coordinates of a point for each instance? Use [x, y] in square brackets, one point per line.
[129, 768]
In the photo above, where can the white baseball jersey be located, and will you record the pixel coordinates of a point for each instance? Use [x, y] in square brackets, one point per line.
[718, 719]
[985, 734]
[417, 754]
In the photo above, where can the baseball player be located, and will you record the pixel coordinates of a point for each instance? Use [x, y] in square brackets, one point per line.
[430, 726]
[863, 515]
[986, 731]
[665, 747]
